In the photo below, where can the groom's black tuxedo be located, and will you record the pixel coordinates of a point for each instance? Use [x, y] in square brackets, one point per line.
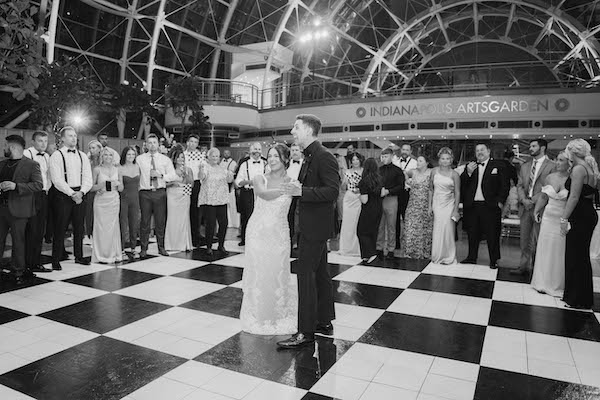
[320, 188]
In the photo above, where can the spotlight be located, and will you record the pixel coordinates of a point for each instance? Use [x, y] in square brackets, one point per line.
[77, 118]
[316, 22]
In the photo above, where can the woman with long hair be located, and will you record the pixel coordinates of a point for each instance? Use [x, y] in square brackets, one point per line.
[370, 212]
[577, 223]
[342, 168]
[94, 150]
[178, 231]
[130, 214]
[418, 224]
[444, 200]
[549, 269]
[107, 233]
[349, 245]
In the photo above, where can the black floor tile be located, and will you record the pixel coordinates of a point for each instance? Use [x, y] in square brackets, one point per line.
[135, 260]
[7, 282]
[45, 259]
[548, 320]
[596, 306]
[259, 356]
[8, 315]
[113, 279]
[199, 254]
[360, 294]
[227, 302]
[453, 285]
[105, 313]
[214, 273]
[336, 269]
[100, 369]
[494, 384]
[406, 264]
[449, 339]
[505, 275]
[316, 396]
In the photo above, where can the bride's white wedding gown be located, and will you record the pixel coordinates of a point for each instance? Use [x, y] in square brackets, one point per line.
[270, 302]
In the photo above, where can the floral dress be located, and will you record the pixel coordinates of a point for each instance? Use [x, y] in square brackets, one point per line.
[418, 224]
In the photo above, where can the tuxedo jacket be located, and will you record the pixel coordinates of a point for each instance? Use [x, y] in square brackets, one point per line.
[28, 180]
[524, 183]
[320, 188]
[494, 185]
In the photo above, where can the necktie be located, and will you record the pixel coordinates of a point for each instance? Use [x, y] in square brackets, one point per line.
[40, 154]
[532, 177]
[153, 180]
[296, 161]
[71, 151]
[255, 162]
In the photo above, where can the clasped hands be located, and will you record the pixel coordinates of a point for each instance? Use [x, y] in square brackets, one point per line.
[292, 188]
[7, 186]
[77, 197]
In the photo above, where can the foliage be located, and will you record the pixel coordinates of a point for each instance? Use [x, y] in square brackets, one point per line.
[21, 61]
[132, 98]
[183, 96]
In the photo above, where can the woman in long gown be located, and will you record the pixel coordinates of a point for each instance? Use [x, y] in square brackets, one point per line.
[445, 197]
[581, 216]
[349, 245]
[416, 242]
[94, 154]
[107, 232]
[270, 302]
[371, 210]
[549, 269]
[130, 214]
[178, 232]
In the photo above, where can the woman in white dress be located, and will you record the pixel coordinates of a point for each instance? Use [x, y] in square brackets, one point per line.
[106, 236]
[445, 197]
[549, 269]
[178, 233]
[270, 302]
[349, 245]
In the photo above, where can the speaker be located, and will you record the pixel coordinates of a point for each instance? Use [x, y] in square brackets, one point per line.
[537, 124]
[377, 127]
[346, 128]
[493, 124]
[584, 123]
[451, 125]
[412, 126]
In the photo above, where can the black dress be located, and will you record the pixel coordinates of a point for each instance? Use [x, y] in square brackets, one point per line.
[368, 221]
[579, 290]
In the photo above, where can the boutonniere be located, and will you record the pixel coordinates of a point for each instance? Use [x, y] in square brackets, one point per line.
[495, 171]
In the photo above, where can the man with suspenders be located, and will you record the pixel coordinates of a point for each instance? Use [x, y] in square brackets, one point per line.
[255, 165]
[71, 176]
[406, 162]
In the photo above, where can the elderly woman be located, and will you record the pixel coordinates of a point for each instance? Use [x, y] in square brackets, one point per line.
[94, 150]
[213, 197]
[178, 232]
[107, 233]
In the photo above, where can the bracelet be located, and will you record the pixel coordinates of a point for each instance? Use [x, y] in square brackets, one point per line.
[564, 220]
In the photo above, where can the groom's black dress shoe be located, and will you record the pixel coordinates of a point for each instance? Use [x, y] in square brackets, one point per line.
[468, 261]
[298, 340]
[324, 329]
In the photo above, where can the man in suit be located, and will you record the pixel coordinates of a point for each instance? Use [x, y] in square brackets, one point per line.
[349, 154]
[20, 179]
[318, 187]
[484, 190]
[529, 187]
[293, 171]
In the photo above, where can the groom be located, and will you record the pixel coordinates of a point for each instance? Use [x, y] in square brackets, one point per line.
[318, 187]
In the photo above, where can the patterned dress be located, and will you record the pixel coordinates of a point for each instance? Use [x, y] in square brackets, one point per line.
[418, 225]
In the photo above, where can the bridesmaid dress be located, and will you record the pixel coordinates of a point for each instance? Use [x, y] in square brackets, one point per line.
[549, 269]
[178, 232]
[107, 232]
[349, 245]
[443, 246]
[416, 241]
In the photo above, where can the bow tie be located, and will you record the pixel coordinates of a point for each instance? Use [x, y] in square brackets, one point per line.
[403, 159]
[71, 151]
[41, 153]
[255, 162]
[481, 163]
[296, 161]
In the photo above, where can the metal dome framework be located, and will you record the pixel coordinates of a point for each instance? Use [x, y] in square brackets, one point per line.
[374, 46]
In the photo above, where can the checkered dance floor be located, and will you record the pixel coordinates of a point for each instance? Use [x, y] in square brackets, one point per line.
[168, 328]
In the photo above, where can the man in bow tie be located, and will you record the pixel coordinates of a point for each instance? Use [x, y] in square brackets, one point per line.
[230, 164]
[406, 162]
[293, 172]
[253, 166]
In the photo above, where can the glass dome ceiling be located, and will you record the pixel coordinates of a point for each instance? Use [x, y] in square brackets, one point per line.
[368, 46]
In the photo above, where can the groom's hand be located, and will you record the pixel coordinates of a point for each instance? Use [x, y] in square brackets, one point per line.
[292, 188]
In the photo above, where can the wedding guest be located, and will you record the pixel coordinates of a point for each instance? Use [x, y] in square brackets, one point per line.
[155, 171]
[349, 154]
[393, 185]
[233, 217]
[349, 245]
[577, 222]
[103, 139]
[549, 270]
[445, 198]
[49, 233]
[178, 235]
[94, 150]
[36, 226]
[342, 168]
[214, 195]
[71, 177]
[248, 169]
[370, 187]
[293, 171]
[193, 159]
[106, 247]
[406, 162]
[530, 181]
[129, 215]
[418, 226]
[20, 179]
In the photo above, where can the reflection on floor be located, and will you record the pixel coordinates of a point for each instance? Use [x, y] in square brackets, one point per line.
[168, 328]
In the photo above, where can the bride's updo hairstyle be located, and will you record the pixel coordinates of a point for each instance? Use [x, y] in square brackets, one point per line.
[582, 149]
[284, 153]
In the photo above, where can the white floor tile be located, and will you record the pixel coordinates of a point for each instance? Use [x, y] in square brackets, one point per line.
[473, 310]
[272, 390]
[441, 306]
[356, 316]
[455, 369]
[72, 270]
[163, 389]
[590, 377]
[194, 373]
[508, 291]
[410, 301]
[232, 384]
[164, 265]
[39, 350]
[504, 361]
[549, 348]
[238, 260]
[354, 365]
[9, 361]
[376, 391]
[8, 393]
[201, 394]
[559, 372]
[401, 376]
[170, 290]
[340, 386]
[586, 354]
[502, 340]
[450, 388]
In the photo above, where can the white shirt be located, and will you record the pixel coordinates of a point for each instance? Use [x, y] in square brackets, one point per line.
[44, 161]
[77, 175]
[230, 164]
[480, 172]
[538, 165]
[162, 164]
[249, 169]
[293, 170]
[193, 159]
[409, 164]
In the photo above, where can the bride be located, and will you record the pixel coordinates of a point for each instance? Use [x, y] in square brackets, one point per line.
[270, 302]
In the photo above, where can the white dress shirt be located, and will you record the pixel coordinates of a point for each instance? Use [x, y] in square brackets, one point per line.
[293, 170]
[77, 175]
[249, 169]
[163, 166]
[480, 172]
[405, 165]
[193, 159]
[538, 165]
[230, 164]
[44, 161]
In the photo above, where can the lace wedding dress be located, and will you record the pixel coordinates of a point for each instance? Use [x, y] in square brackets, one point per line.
[270, 302]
